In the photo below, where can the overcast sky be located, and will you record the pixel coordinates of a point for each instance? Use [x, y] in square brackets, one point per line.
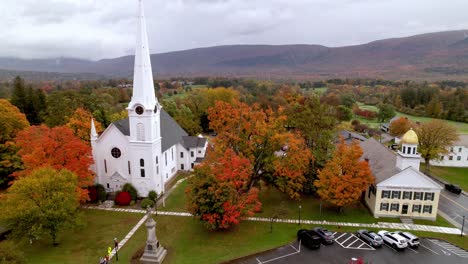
[96, 29]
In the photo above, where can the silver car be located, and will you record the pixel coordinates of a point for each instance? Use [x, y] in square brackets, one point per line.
[370, 237]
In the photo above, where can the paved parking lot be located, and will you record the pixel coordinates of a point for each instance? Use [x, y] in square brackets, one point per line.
[348, 245]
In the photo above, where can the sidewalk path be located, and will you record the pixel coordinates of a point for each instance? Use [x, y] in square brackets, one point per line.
[380, 225]
[129, 235]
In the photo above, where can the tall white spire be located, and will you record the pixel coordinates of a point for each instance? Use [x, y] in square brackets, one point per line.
[143, 86]
[93, 134]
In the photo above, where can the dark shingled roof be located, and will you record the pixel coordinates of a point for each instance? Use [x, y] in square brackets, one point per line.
[171, 132]
[194, 142]
[382, 160]
[123, 126]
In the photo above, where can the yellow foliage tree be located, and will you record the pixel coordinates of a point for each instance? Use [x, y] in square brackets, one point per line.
[80, 123]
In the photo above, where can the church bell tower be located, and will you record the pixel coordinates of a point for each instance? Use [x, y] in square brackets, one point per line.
[144, 108]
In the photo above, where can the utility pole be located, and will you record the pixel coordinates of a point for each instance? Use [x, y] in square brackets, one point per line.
[300, 207]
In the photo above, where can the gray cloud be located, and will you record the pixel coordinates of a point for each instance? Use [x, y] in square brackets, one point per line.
[95, 29]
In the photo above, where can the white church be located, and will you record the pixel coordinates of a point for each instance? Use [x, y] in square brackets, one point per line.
[149, 147]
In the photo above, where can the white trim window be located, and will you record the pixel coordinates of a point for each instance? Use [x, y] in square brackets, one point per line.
[395, 207]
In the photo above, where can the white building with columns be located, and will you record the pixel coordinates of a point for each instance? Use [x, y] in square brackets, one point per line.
[400, 190]
[149, 147]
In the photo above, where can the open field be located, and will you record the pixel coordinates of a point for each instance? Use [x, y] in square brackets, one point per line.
[462, 127]
[453, 175]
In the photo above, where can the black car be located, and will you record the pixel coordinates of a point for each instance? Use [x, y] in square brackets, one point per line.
[370, 237]
[453, 188]
[309, 238]
[326, 236]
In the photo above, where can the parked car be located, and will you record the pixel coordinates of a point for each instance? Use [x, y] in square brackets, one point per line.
[453, 188]
[370, 237]
[326, 236]
[309, 238]
[413, 241]
[393, 239]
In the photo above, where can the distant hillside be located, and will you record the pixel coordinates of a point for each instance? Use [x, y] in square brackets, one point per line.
[442, 55]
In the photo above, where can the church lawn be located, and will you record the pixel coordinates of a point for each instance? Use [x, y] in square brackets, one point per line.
[453, 175]
[275, 203]
[176, 200]
[86, 244]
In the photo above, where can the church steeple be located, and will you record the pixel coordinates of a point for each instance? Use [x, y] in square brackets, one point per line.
[93, 134]
[143, 87]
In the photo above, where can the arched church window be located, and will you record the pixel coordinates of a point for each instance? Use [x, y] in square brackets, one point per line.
[142, 162]
[157, 161]
[140, 132]
[115, 152]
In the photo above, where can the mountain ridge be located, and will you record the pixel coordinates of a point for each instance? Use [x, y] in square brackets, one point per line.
[439, 55]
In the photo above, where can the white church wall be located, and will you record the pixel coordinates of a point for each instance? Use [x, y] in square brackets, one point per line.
[105, 164]
[169, 164]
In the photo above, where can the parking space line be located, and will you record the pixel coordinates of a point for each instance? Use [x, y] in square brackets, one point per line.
[453, 249]
[347, 239]
[412, 250]
[340, 236]
[429, 249]
[350, 245]
[390, 247]
[363, 243]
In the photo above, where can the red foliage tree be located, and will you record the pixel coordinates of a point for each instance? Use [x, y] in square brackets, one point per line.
[57, 147]
[218, 194]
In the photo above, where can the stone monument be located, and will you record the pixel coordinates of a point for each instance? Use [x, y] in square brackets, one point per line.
[154, 252]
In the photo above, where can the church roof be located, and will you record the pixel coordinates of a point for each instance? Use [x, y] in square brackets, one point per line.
[194, 142]
[410, 178]
[123, 125]
[171, 132]
[382, 160]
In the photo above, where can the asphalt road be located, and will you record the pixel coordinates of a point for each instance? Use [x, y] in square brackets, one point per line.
[455, 206]
[347, 246]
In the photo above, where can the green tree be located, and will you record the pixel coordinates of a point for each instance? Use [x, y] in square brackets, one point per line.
[45, 202]
[343, 113]
[434, 107]
[18, 96]
[386, 112]
[316, 123]
[434, 139]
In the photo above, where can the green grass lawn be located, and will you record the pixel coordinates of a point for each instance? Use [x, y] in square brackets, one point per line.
[461, 126]
[453, 175]
[86, 244]
[275, 203]
[440, 221]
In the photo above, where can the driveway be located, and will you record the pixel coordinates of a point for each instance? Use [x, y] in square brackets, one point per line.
[454, 206]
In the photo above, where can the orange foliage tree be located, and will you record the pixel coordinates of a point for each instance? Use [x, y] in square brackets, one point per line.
[80, 123]
[345, 176]
[400, 126]
[218, 193]
[41, 146]
[278, 157]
